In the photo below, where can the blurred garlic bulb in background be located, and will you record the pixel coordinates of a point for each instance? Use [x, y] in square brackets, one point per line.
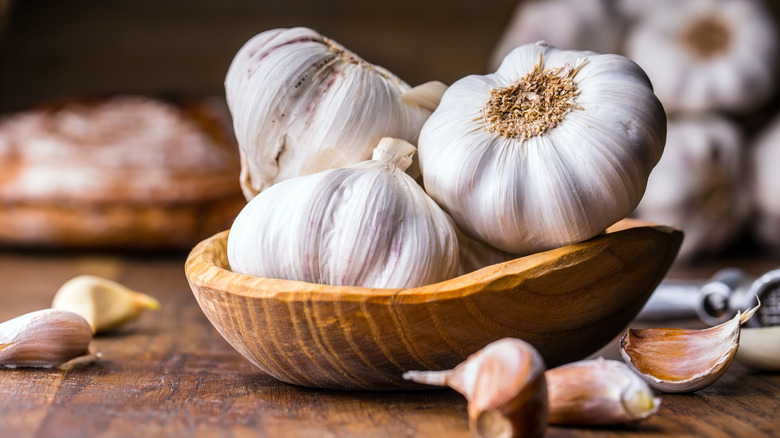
[566, 24]
[553, 148]
[698, 184]
[302, 103]
[765, 167]
[369, 224]
[706, 55]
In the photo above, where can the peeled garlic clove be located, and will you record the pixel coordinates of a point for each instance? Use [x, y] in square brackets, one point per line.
[369, 224]
[759, 348]
[598, 392]
[105, 304]
[505, 386]
[301, 103]
[682, 360]
[705, 55]
[699, 185]
[568, 24]
[551, 149]
[43, 339]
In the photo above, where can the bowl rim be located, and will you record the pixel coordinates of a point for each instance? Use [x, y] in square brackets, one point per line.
[203, 268]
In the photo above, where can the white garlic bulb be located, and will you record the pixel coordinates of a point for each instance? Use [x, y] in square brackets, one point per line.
[553, 148]
[765, 185]
[706, 55]
[567, 24]
[302, 103]
[369, 224]
[698, 185]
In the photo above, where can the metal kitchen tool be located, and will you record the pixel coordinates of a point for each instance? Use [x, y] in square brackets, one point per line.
[718, 299]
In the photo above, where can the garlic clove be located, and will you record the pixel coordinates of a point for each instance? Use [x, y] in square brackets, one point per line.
[759, 348]
[505, 386]
[427, 95]
[105, 304]
[43, 339]
[682, 360]
[598, 392]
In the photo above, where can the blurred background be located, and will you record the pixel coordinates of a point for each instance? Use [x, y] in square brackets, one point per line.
[51, 48]
[86, 48]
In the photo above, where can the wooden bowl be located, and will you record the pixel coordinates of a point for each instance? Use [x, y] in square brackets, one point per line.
[567, 302]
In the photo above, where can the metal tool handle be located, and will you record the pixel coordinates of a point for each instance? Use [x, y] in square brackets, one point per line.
[709, 300]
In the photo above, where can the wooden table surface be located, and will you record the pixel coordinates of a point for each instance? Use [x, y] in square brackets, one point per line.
[171, 374]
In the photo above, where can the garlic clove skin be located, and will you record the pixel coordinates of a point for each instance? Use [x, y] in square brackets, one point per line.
[105, 304]
[682, 360]
[505, 386]
[598, 392]
[569, 24]
[302, 103]
[705, 55]
[43, 339]
[524, 184]
[369, 225]
[699, 185]
[759, 348]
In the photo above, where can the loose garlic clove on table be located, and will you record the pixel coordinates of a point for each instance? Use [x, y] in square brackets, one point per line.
[105, 304]
[681, 360]
[505, 386]
[598, 392]
[43, 339]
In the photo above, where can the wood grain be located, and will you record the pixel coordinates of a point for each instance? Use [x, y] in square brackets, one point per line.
[171, 374]
[568, 303]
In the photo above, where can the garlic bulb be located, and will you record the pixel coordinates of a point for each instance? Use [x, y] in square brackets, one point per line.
[681, 360]
[369, 224]
[598, 392]
[698, 184]
[707, 54]
[302, 103]
[764, 160]
[567, 24]
[553, 148]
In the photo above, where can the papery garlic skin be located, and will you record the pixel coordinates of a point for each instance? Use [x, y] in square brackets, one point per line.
[369, 224]
[43, 339]
[683, 360]
[765, 185]
[598, 392]
[564, 185]
[566, 24]
[704, 55]
[699, 185]
[301, 103]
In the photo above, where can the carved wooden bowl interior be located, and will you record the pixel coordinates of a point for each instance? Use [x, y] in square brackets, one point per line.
[567, 302]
